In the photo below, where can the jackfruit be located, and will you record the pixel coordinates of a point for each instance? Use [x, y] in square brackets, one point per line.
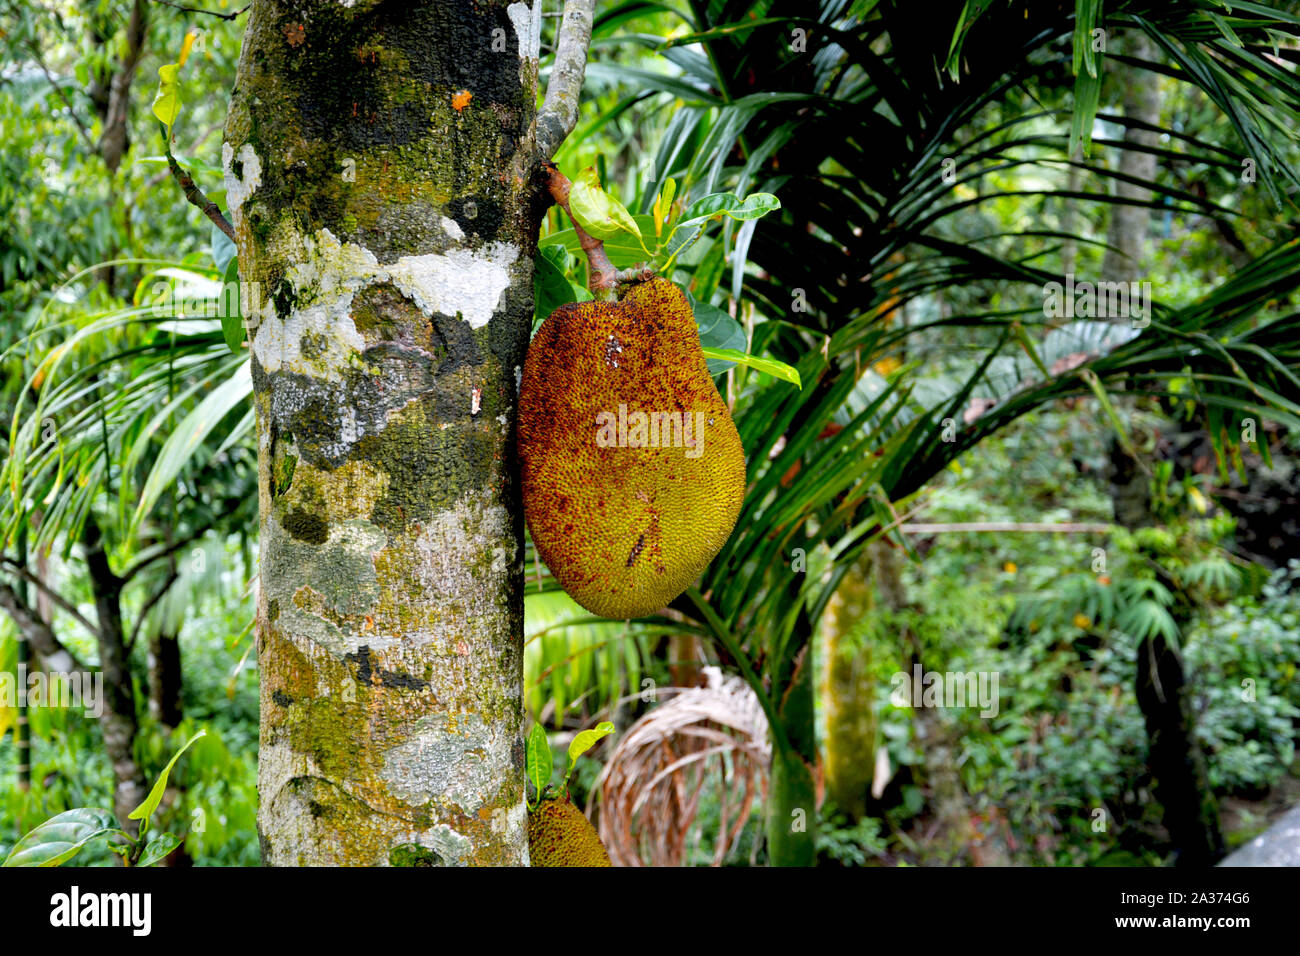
[633, 471]
[559, 835]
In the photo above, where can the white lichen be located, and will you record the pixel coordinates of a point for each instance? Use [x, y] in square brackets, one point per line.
[319, 337]
[463, 282]
[455, 757]
[528, 28]
[239, 188]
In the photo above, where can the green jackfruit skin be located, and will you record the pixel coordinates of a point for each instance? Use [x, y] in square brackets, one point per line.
[559, 835]
[625, 529]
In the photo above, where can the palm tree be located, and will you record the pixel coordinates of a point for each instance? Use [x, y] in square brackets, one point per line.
[883, 127]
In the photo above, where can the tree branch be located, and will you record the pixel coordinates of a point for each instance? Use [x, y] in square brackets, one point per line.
[602, 277]
[166, 552]
[209, 13]
[54, 656]
[1032, 527]
[63, 603]
[81, 127]
[559, 112]
[193, 194]
[149, 605]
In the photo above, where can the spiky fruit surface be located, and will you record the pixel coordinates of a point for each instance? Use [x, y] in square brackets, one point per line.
[626, 511]
[559, 835]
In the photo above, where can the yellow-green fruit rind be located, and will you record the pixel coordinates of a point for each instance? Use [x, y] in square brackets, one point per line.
[626, 529]
[559, 835]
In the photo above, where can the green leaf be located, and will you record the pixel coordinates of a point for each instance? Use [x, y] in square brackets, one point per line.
[145, 810]
[167, 101]
[158, 848]
[61, 837]
[663, 205]
[584, 741]
[678, 241]
[753, 206]
[232, 313]
[718, 330]
[786, 373]
[537, 762]
[223, 250]
[189, 434]
[600, 214]
[552, 286]
[623, 250]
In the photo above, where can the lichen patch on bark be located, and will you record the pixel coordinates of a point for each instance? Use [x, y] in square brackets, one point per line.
[391, 237]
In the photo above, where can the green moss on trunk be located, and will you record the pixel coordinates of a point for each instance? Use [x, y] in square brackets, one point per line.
[386, 226]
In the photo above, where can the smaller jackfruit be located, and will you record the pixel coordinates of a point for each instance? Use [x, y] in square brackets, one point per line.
[559, 835]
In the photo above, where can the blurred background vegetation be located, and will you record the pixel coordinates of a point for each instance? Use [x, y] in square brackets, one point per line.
[935, 173]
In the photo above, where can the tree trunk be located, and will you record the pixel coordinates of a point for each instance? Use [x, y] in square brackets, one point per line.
[165, 679]
[792, 786]
[379, 172]
[1129, 224]
[852, 726]
[113, 141]
[1191, 814]
[1174, 757]
[118, 723]
[22, 729]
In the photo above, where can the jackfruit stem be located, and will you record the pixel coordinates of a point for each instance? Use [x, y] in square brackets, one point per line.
[602, 277]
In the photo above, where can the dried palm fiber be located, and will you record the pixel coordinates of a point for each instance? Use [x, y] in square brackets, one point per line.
[710, 739]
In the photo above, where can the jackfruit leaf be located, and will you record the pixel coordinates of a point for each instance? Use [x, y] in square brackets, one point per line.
[663, 205]
[145, 810]
[232, 312]
[786, 373]
[537, 761]
[61, 837]
[623, 250]
[552, 286]
[223, 250]
[167, 101]
[584, 741]
[718, 330]
[158, 848]
[596, 211]
[679, 241]
[753, 206]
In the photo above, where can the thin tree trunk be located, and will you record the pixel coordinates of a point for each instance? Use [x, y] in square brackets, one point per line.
[165, 675]
[165, 679]
[1129, 224]
[1191, 814]
[852, 726]
[1174, 757]
[792, 786]
[381, 181]
[22, 729]
[117, 115]
[118, 723]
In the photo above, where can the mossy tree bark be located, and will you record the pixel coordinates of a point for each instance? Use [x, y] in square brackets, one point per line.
[792, 787]
[381, 166]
